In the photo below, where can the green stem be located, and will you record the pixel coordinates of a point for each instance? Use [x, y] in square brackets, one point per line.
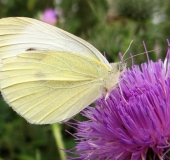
[56, 128]
[38, 154]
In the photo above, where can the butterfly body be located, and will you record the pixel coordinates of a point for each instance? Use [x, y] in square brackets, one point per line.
[48, 75]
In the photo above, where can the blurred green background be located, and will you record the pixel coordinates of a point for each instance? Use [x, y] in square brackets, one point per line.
[109, 25]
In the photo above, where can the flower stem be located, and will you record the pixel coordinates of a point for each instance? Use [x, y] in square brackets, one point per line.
[38, 154]
[56, 128]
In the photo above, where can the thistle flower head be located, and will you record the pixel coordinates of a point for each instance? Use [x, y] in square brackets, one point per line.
[49, 16]
[134, 122]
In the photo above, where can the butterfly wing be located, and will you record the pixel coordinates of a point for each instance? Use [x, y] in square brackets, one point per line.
[47, 87]
[20, 34]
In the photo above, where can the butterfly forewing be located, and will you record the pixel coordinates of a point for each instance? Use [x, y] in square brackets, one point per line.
[20, 34]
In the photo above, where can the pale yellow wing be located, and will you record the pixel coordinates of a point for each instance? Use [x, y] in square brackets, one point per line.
[47, 87]
[19, 34]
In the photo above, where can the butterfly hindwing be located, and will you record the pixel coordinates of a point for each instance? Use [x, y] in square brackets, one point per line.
[49, 86]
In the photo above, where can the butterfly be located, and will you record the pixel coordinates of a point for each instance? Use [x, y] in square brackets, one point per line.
[48, 75]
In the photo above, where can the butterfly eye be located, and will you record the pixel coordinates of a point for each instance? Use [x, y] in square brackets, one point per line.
[121, 66]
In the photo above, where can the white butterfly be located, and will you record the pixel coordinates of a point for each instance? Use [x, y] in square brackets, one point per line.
[48, 75]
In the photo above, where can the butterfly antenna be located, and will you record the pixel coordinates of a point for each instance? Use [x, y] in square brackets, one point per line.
[131, 56]
[143, 53]
[128, 46]
[146, 51]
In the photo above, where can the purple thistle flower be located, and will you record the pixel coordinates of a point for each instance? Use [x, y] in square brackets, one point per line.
[49, 16]
[134, 125]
